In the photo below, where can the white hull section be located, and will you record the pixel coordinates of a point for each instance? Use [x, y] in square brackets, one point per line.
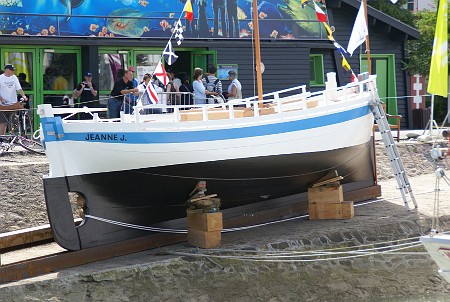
[83, 157]
[438, 247]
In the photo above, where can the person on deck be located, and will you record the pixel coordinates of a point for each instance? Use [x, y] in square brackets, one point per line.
[212, 83]
[235, 88]
[128, 106]
[200, 92]
[9, 85]
[121, 88]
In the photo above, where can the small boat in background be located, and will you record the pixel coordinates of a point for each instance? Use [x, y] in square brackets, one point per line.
[438, 246]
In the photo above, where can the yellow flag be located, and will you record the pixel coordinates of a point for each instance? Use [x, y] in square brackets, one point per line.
[438, 80]
[345, 64]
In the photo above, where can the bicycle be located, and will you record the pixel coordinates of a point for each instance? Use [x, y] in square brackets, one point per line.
[20, 123]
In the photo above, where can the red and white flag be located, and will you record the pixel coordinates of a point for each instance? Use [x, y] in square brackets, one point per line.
[151, 93]
[320, 13]
[354, 78]
[161, 74]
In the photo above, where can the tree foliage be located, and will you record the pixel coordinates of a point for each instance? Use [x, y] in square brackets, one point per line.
[394, 10]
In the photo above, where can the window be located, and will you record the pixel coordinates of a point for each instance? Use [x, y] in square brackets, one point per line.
[316, 70]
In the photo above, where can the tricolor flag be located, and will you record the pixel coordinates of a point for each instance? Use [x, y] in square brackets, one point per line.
[151, 93]
[178, 31]
[161, 74]
[438, 79]
[345, 64]
[320, 14]
[169, 55]
[188, 10]
[359, 31]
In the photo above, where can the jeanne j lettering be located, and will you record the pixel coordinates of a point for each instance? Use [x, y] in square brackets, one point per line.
[104, 137]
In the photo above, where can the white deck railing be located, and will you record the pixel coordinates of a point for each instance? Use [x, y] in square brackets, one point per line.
[272, 103]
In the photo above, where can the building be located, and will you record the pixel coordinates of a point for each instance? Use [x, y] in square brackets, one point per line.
[47, 40]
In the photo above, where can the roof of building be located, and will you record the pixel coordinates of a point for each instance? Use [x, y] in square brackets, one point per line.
[378, 15]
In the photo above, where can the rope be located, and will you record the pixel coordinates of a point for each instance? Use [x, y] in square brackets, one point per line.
[184, 231]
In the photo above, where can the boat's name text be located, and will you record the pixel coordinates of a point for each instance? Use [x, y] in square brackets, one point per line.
[105, 137]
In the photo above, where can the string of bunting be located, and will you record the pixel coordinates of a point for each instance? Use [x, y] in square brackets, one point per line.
[168, 53]
[322, 18]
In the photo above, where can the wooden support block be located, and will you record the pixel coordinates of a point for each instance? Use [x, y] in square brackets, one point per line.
[203, 239]
[326, 194]
[322, 211]
[205, 221]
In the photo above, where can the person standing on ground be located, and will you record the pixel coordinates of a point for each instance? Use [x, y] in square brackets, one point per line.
[186, 86]
[212, 83]
[9, 85]
[121, 88]
[233, 21]
[200, 92]
[235, 88]
[87, 93]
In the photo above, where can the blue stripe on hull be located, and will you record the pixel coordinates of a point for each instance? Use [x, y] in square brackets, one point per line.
[54, 125]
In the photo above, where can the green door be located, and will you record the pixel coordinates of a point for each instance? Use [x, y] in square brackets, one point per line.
[203, 59]
[384, 67]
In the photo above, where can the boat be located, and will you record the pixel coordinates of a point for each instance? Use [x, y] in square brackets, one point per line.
[140, 169]
[137, 171]
[438, 246]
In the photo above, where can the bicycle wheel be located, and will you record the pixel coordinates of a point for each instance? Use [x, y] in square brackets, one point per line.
[31, 145]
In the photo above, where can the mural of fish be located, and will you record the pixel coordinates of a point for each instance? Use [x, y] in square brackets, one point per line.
[125, 26]
[126, 2]
[17, 3]
[70, 4]
[241, 14]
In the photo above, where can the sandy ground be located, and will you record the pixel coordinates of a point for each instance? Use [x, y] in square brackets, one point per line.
[22, 201]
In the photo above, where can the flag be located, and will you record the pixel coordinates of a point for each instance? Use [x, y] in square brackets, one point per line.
[304, 3]
[151, 93]
[178, 31]
[437, 83]
[394, 1]
[329, 31]
[161, 74]
[354, 78]
[188, 10]
[345, 64]
[359, 31]
[340, 48]
[320, 14]
[169, 55]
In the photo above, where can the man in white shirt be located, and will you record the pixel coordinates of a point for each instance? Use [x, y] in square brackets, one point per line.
[9, 85]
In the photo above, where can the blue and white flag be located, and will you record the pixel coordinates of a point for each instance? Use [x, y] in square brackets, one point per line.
[178, 32]
[169, 55]
[340, 48]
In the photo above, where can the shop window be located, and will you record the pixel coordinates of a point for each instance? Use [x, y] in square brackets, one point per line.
[110, 65]
[316, 70]
[146, 63]
[59, 71]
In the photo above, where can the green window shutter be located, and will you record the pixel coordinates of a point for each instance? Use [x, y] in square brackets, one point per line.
[316, 70]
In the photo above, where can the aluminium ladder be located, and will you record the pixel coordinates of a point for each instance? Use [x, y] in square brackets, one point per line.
[392, 151]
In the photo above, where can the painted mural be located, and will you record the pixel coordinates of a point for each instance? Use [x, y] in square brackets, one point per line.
[278, 19]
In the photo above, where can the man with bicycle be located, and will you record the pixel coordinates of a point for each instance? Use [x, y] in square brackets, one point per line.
[9, 85]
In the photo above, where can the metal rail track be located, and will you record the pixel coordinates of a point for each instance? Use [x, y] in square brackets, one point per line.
[46, 264]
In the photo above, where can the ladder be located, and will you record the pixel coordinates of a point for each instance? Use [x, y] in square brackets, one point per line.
[392, 151]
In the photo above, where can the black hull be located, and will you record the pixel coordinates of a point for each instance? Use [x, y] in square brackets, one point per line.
[154, 195]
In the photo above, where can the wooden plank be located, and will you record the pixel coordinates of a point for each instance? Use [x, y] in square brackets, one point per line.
[43, 265]
[326, 194]
[25, 236]
[323, 211]
[204, 239]
[363, 194]
[205, 221]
